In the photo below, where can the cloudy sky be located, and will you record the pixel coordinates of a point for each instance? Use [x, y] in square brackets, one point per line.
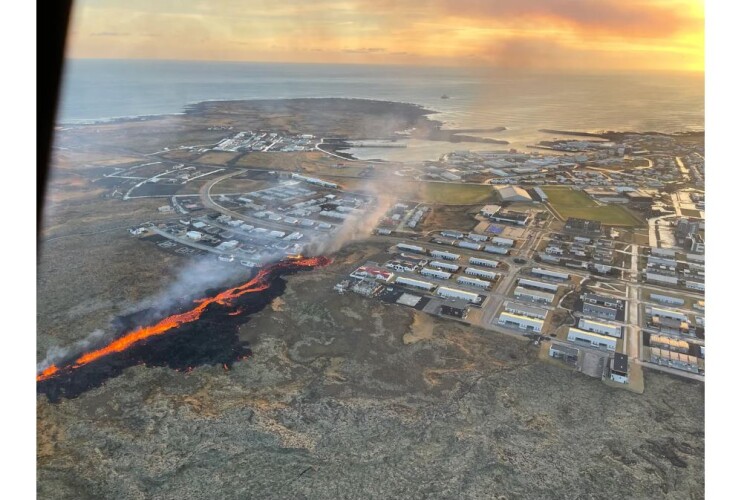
[539, 34]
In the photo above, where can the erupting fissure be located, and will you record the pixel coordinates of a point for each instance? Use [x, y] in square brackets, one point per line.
[259, 282]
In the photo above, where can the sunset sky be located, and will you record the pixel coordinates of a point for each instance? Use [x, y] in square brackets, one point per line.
[538, 34]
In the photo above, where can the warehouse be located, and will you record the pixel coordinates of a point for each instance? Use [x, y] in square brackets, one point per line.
[601, 300]
[452, 293]
[668, 343]
[546, 273]
[477, 237]
[599, 311]
[452, 234]
[526, 283]
[676, 360]
[600, 327]
[594, 339]
[473, 282]
[532, 295]
[442, 275]
[661, 261]
[666, 313]
[696, 285]
[524, 310]
[512, 193]
[563, 352]
[503, 242]
[444, 255]
[445, 266]
[667, 299]
[410, 248]
[497, 250]
[424, 285]
[663, 252]
[520, 322]
[668, 278]
[472, 271]
[483, 262]
[470, 245]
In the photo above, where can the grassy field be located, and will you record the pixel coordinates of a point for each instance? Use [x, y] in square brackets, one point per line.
[442, 193]
[571, 203]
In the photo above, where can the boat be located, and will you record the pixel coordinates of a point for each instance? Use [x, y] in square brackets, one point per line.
[444, 96]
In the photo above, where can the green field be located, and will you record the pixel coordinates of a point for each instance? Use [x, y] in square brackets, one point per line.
[457, 194]
[569, 202]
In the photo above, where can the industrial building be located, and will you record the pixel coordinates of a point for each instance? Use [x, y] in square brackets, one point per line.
[666, 313]
[497, 250]
[313, 180]
[445, 266]
[410, 248]
[483, 262]
[661, 277]
[512, 193]
[472, 271]
[511, 217]
[423, 285]
[563, 352]
[477, 237]
[527, 283]
[503, 242]
[524, 310]
[600, 327]
[695, 285]
[546, 273]
[469, 244]
[520, 322]
[618, 368]
[602, 300]
[452, 293]
[593, 339]
[667, 299]
[452, 234]
[434, 273]
[663, 252]
[669, 344]
[675, 360]
[533, 295]
[473, 282]
[599, 311]
[444, 255]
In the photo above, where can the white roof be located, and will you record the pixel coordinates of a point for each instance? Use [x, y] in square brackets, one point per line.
[512, 193]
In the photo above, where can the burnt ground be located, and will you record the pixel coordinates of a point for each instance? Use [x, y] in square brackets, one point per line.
[334, 403]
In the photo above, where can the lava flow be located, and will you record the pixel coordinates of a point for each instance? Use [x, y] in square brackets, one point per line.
[258, 283]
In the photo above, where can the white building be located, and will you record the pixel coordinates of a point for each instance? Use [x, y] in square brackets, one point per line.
[410, 248]
[477, 237]
[696, 285]
[524, 310]
[473, 282]
[423, 285]
[520, 322]
[472, 271]
[503, 242]
[497, 250]
[527, 283]
[661, 278]
[469, 244]
[600, 327]
[667, 299]
[593, 339]
[452, 293]
[483, 262]
[442, 275]
[549, 274]
[194, 235]
[667, 313]
[512, 193]
[444, 255]
[445, 266]
[533, 295]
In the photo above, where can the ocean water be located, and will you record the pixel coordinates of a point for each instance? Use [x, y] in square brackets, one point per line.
[522, 101]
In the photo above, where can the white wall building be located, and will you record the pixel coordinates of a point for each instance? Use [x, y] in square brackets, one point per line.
[481, 273]
[608, 329]
[533, 295]
[527, 283]
[426, 271]
[473, 282]
[520, 322]
[423, 285]
[452, 293]
[445, 266]
[593, 339]
[444, 255]
[549, 274]
[483, 262]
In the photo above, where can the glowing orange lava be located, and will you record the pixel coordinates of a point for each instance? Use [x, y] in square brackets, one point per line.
[259, 283]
